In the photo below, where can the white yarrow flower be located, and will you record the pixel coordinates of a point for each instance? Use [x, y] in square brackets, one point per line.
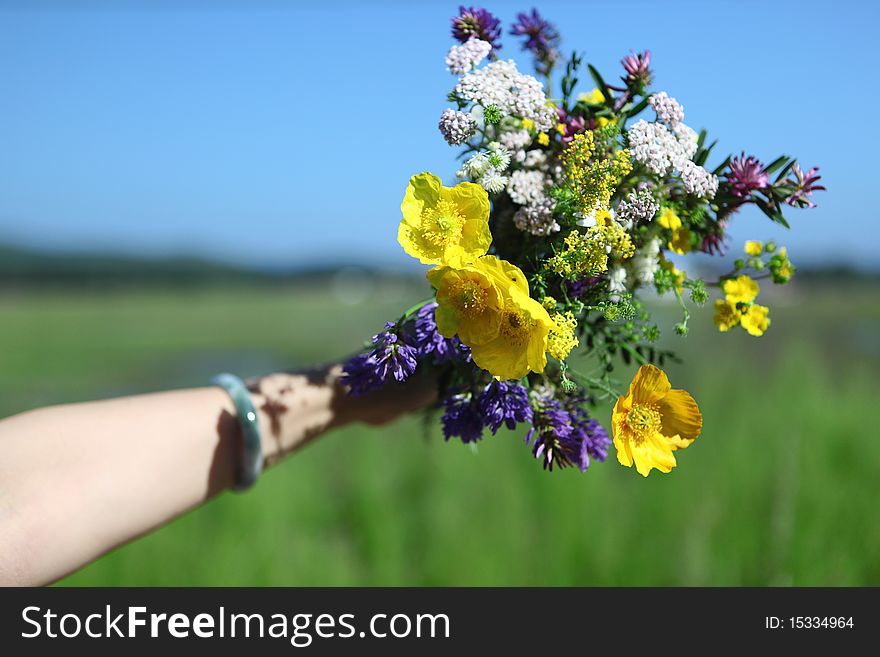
[464, 58]
[526, 187]
[456, 127]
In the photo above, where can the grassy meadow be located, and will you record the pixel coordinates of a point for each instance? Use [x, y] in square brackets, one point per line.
[781, 489]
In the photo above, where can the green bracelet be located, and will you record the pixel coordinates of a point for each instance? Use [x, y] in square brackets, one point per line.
[251, 462]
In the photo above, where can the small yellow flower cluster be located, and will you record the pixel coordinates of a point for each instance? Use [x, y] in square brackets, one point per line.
[480, 298]
[588, 253]
[562, 339]
[738, 307]
[754, 248]
[593, 180]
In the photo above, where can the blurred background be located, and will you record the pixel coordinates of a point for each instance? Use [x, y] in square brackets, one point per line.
[191, 187]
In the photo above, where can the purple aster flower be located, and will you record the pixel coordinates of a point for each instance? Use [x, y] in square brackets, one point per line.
[479, 23]
[542, 39]
[391, 357]
[805, 185]
[746, 174]
[638, 69]
[504, 402]
[462, 418]
[429, 343]
[579, 287]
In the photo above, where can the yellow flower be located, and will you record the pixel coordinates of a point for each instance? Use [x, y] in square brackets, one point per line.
[469, 302]
[595, 97]
[543, 139]
[444, 225]
[754, 248]
[560, 128]
[528, 124]
[521, 344]
[561, 339]
[741, 289]
[652, 421]
[681, 241]
[727, 315]
[668, 219]
[549, 303]
[755, 319]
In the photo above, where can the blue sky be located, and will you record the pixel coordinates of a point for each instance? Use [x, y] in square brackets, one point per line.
[280, 133]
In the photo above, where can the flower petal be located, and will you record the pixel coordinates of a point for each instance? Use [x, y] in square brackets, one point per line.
[680, 416]
[649, 385]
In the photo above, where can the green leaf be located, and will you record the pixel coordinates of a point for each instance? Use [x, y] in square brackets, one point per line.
[703, 155]
[701, 139]
[722, 166]
[775, 164]
[785, 170]
[597, 78]
[637, 108]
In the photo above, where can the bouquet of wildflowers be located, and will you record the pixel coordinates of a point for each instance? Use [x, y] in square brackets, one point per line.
[569, 207]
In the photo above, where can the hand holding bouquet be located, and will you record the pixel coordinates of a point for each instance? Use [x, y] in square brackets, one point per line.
[569, 207]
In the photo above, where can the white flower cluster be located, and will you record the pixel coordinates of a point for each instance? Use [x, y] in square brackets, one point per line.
[537, 219]
[526, 187]
[616, 282]
[462, 59]
[515, 94]
[669, 111]
[645, 262]
[636, 207]
[697, 181]
[457, 127]
[488, 168]
[663, 151]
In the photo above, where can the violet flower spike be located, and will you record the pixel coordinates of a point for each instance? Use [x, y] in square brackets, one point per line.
[479, 23]
[805, 185]
[542, 39]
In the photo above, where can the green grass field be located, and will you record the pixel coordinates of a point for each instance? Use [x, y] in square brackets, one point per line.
[781, 489]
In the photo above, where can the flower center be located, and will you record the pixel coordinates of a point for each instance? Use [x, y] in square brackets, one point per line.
[442, 224]
[515, 326]
[643, 420]
[468, 297]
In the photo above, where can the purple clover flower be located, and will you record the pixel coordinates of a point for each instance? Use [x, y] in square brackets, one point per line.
[573, 125]
[805, 185]
[504, 402]
[462, 418]
[391, 357]
[542, 39]
[429, 343]
[746, 174]
[474, 22]
[638, 69]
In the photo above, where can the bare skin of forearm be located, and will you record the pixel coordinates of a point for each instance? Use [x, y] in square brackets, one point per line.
[80, 479]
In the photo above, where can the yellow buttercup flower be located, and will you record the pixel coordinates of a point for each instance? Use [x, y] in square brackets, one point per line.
[528, 124]
[543, 139]
[753, 248]
[652, 421]
[444, 225]
[561, 339]
[741, 289]
[727, 315]
[560, 128]
[681, 241]
[521, 344]
[755, 319]
[469, 303]
[668, 219]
